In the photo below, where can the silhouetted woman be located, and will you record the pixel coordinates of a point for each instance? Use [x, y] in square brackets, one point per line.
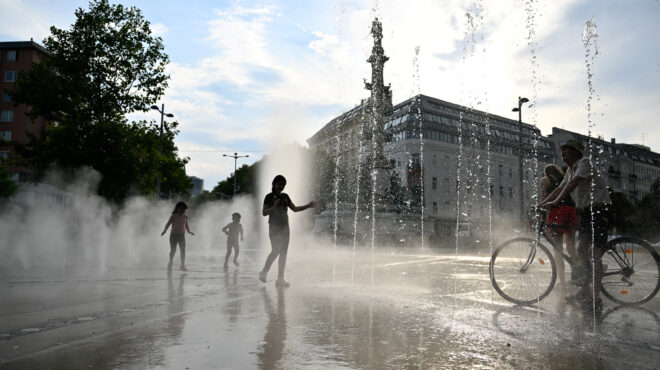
[562, 220]
[276, 205]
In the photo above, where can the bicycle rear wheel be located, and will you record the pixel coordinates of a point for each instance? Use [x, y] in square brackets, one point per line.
[521, 273]
[632, 271]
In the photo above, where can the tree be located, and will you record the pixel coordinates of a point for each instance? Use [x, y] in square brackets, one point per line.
[648, 221]
[246, 176]
[7, 186]
[105, 66]
[623, 213]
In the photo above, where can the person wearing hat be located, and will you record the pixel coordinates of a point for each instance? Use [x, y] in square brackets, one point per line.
[592, 199]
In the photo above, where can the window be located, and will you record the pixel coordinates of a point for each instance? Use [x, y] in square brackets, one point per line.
[7, 116]
[510, 173]
[510, 192]
[434, 184]
[435, 160]
[415, 163]
[10, 76]
[491, 190]
[11, 55]
[5, 97]
[501, 191]
[435, 208]
[5, 135]
[4, 154]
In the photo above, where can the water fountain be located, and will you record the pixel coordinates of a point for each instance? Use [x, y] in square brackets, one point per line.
[367, 173]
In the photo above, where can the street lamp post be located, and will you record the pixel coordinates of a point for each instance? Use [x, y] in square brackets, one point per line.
[235, 156]
[521, 101]
[160, 148]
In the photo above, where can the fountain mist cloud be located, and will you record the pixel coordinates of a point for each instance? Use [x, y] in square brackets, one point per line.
[82, 230]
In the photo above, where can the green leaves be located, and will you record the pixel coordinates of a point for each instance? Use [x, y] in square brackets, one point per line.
[106, 65]
[107, 62]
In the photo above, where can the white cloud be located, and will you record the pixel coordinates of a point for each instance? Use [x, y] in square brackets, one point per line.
[159, 29]
[22, 19]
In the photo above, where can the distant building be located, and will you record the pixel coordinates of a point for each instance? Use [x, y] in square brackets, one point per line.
[466, 153]
[463, 161]
[630, 168]
[15, 58]
[197, 185]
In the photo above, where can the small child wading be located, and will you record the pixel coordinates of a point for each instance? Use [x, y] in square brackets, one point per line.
[233, 229]
[276, 204]
[179, 222]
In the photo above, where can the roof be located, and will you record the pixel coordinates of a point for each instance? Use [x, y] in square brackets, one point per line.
[22, 45]
[405, 106]
[337, 122]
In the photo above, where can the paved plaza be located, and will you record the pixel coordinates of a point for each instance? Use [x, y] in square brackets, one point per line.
[393, 309]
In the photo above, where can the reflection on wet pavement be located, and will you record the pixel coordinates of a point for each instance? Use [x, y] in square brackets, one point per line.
[433, 311]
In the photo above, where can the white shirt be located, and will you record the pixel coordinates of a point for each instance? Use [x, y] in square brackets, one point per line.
[583, 191]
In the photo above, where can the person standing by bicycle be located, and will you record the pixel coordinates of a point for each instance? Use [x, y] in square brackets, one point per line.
[592, 200]
[561, 220]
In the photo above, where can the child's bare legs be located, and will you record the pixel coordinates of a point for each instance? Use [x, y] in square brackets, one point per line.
[569, 240]
[227, 256]
[236, 255]
[172, 253]
[559, 259]
[279, 240]
[172, 250]
[182, 247]
[181, 240]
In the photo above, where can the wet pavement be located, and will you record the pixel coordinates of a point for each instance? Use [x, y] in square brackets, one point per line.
[431, 310]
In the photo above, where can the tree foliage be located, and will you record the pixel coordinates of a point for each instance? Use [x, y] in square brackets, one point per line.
[7, 186]
[641, 219]
[105, 66]
[246, 177]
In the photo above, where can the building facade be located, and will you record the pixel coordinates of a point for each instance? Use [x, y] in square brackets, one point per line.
[457, 165]
[463, 162]
[630, 168]
[197, 185]
[15, 125]
[461, 155]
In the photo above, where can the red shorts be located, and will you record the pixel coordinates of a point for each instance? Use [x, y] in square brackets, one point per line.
[565, 217]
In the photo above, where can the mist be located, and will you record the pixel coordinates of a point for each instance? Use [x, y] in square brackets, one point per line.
[76, 229]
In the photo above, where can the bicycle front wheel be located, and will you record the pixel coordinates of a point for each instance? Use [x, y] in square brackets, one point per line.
[631, 271]
[522, 271]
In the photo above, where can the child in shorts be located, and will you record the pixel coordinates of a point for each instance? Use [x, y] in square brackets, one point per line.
[233, 229]
[179, 222]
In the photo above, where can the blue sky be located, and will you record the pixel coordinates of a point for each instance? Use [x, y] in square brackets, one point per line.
[250, 76]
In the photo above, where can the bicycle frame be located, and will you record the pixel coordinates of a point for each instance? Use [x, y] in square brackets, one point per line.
[623, 261]
[540, 231]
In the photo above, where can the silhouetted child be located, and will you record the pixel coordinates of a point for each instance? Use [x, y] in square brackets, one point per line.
[179, 222]
[233, 229]
[276, 204]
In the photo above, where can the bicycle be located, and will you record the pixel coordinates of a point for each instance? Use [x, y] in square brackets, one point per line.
[523, 271]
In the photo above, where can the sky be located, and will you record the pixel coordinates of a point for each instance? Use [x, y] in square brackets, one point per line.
[251, 76]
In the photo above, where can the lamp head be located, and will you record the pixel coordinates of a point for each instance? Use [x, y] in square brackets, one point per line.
[523, 100]
[515, 110]
[169, 115]
[154, 107]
